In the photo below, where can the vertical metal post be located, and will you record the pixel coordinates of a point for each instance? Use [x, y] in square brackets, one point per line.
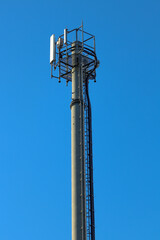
[94, 58]
[59, 69]
[83, 65]
[82, 36]
[78, 154]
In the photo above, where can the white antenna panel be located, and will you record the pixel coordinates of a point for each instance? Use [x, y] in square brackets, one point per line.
[52, 49]
[65, 36]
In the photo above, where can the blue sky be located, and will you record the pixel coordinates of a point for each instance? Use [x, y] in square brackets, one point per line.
[35, 148]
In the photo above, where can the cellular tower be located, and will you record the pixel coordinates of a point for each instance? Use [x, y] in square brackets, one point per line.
[74, 54]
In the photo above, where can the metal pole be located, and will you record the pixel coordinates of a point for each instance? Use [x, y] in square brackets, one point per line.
[78, 154]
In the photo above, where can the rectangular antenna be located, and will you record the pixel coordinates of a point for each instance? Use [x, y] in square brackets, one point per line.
[65, 36]
[52, 49]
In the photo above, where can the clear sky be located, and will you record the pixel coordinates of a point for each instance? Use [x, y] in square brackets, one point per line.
[35, 132]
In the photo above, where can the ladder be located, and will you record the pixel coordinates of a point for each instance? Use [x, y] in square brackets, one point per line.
[90, 221]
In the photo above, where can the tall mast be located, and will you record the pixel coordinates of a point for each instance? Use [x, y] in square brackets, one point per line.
[77, 63]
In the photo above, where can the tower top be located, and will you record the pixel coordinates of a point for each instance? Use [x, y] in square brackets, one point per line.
[61, 52]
